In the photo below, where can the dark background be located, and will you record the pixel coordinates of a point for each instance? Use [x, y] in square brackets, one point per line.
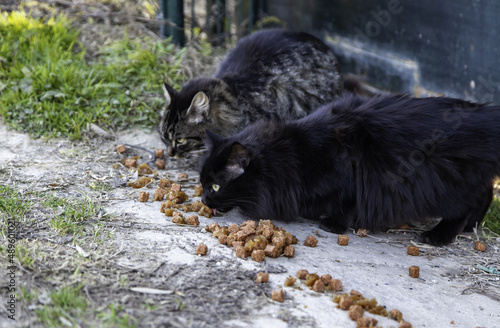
[425, 47]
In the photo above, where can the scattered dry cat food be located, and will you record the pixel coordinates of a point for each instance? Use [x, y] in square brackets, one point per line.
[362, 232]
[193, 220]
[345, 302]
[197, 206]
[262, 277]
[121, 148]
[396, 315]
[160, 163]
[258, 255]
[289, 281]
[311, 279]
[143, 196]
[201, 249]
[198, 190]
[289, 251]
[237, 243]
[130, 162]
[311, 241]
[165, 183]
[366, 322]
[414, 271]
[479, 246]
[178, 197]
[241, 252]
[326, 279]
[141, 182]
[182, 177]
[178, 218]
[159, 194]
[302, 274]
[318, 286]
[175, 187]
[343, 240]
[169, 211]
[278, 295]
[404, 324]
[158, 153]
[336, 285]
[271, 250]
[356, 312]
[233, 228]
[205, 211]
[355, 293]
[144, 169]
[212, 227]
[412, 250]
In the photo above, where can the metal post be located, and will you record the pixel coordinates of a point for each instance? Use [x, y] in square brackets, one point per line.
[173, 12]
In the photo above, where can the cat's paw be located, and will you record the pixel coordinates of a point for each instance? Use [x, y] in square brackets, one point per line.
[436, 238]
[328, 225]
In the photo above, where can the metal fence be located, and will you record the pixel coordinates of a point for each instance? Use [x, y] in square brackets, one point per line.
[220, 20]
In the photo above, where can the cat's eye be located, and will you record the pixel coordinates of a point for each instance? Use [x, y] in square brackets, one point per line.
[215, 187]
[180, 140]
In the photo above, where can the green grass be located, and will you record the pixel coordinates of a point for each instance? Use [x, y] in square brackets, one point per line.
[48, 89]
[491, 220]
[116, 317]
[12, 203]
[67, 307]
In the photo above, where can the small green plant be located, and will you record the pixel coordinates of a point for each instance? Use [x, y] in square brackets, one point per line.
[26, 295]
[12, 203]
[491, 220]
[69, 214]
[66, 307]
[115, 317]
[24, 256]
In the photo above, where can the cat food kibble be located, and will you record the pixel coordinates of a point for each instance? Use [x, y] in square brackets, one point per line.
[144, 169]
[289, 251]
[289, 281]
[396, 315]
[479, 246]
[212, 227]
[404, 324]
[140, 183]
[223, 239]
[178, 218]
[160, 163]
[272, 251]
[241, 252]
[362, 232]
[356, 312]
[278, 295]
[311, 241]
[262, 277]
[345, 302]
[182, 177]
[143, 196]
[198, 190]
[237, 244]
[201, 249]
[336, 285]
[205, 211]
[355, 293]
[158, 153]
[175, 187]
[366, 322]
[165, 183]
[302, 274]
[318, 286]
[120, 148]
[233, 228]
[412, 250]
[130, 162]
[414, 271]
[311, 279]
[169, 211]
[159, 194]
[193, 220]
[343, 240]
[258, 255]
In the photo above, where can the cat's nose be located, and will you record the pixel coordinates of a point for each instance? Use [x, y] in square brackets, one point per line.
[170, 151]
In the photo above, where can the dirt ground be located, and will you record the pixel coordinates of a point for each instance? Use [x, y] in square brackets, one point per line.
[131, 255]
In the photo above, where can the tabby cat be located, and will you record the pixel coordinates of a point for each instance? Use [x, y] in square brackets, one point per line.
[271, 74]
[363, 163]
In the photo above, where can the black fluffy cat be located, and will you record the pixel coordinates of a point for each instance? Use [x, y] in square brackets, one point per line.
[356, 162]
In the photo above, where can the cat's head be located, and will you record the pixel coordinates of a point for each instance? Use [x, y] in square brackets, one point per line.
[227, 174]
[182, 123]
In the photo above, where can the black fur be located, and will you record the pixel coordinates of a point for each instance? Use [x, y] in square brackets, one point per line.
[371, 163]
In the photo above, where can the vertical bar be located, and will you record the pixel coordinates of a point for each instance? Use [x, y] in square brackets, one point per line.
[239, 16]
[173, 11]
[192, 18]
[207, 22]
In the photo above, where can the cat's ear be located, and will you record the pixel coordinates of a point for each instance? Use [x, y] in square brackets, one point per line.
[238, 160]
[199, 108]
[211, 139]
[169, 93]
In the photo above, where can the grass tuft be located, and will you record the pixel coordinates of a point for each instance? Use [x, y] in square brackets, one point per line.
[67, 307]
[48, 89]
